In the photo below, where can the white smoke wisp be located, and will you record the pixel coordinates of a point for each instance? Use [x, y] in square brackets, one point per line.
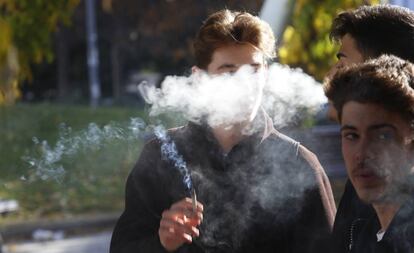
[169, 152]
[47, 163]
[233, 98]
[288, 91]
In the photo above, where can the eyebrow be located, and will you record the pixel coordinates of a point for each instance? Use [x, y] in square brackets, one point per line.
[373, 127]
[347, 127]
[378, 126]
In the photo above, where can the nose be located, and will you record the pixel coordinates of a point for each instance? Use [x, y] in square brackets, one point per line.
[363, 152]
[338, 65]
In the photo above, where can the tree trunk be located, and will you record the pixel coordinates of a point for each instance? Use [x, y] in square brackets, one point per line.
[116, 70]
[62, 64]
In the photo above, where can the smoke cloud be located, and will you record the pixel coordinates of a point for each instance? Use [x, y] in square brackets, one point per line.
[288, 92]
[232, 98]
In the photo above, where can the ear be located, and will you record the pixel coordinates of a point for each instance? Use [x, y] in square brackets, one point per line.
[195, 69]
[332, 113]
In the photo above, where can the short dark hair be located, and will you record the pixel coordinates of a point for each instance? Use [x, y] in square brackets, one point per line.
[227, 27]
[379, 29]
[387, 81]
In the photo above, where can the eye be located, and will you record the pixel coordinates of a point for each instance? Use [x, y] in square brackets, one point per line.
[256, 66]
[230, 70]
[339, 56]
[350, 136]
[385, 136]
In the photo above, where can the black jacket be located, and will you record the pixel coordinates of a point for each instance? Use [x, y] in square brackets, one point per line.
[352, 214]
[266, 195]
[398, 238]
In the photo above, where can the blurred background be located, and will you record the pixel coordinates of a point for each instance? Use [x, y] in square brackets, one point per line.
[69, 70]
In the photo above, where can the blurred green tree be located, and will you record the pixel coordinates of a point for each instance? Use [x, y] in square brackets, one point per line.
[25, 39]
[305, 41]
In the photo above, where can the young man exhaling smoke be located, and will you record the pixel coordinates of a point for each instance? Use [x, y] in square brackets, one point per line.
[258, 190]
[366, 33]
[375, 105]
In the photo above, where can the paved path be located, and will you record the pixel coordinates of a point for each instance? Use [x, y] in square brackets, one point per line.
[97, 243]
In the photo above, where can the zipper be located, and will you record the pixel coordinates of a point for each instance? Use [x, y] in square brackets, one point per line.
[351, 233]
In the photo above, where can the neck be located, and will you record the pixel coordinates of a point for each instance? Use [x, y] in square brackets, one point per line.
[386, 212]
[228, 137]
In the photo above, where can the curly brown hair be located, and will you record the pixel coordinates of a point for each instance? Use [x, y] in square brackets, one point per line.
[231, 27]
[387, 81]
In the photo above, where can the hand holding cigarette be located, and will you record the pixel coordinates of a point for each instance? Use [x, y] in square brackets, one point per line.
[178, 224]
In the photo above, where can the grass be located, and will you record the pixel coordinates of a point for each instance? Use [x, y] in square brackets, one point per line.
[94, 177]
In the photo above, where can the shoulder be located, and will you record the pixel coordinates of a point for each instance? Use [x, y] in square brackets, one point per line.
[282, 142]
[310, 158]
[289, 151]
[301, 152]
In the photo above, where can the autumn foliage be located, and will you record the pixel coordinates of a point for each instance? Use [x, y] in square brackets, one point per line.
[26, 27]
[305, 41]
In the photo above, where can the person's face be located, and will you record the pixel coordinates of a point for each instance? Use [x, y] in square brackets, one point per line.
[377, 149]
[228, 59]
[348, 54]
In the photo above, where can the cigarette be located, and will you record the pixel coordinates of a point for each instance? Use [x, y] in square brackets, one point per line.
[194, 200]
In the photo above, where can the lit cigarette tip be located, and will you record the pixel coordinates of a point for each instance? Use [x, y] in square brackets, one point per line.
[194, 200]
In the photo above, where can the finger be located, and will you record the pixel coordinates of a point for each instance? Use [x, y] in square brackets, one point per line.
[200, 207]
[175, 238]
[187, 203]
[169, 239]
[200, 217]
[184, 203]
[193, 219]
[178, 214]
[172, 214]
[183, 217]
[185, 224]
[171, 223]
[186, 206]
[179, 227]
[188, 238]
